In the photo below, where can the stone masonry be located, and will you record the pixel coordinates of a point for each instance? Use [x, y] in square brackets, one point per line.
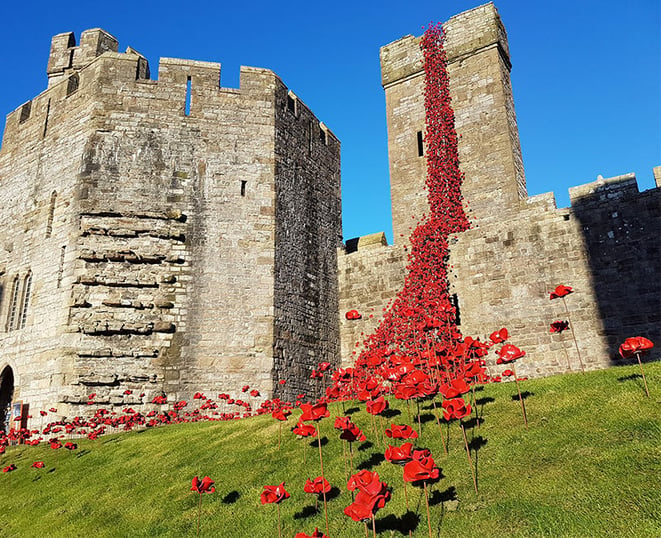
[172, 236]
[519, 248]
[165, 235]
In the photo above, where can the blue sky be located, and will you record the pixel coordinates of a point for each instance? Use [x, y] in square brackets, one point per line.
[586, 74]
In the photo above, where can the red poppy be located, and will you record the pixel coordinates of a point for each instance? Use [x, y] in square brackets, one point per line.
[560, 291]
[352, 433]
[316, 534]
[9, 468]
[305, 430]
[254, 393]
[274, 494]
[455, 408]
[37, 465]
[399, 455]
[55, 444]
[559, 326]
[92, 396]
[127, 392]
[282, 381]
[43, 413]
[317, 486]
[421, 467]
[352, 314]
[53, 410]
[378, 406]
[324, 366]
[281, 414]
[455, 388]
[633, 345]
[341, 423]
[206, 485]
[70, 446]
[372, 495]
[508, 373]
[245, 388]
[509, 353]
[401, 432]
[498, 337]
[314, 411]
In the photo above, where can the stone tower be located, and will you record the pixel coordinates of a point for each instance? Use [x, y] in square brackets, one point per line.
[519, 248]
[489, 150]
[163, 235]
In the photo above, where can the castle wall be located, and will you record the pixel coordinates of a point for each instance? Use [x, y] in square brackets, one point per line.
[605, 246]
[308, 215]
[165, 214]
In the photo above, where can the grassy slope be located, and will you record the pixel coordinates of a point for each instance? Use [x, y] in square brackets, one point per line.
[589, 466]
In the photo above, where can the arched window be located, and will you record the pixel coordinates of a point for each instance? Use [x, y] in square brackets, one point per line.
[13, 305]
[6, 394]
[25, 299]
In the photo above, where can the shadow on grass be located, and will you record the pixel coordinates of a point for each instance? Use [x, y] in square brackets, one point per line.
[438, 497]
[472, 422]
[375, 459]
[351, 411]
[409, 521]
[231, 497]
[315, 444]
[308, 511]
[427, 417]
[524, 395]
[81, 453]
[631, 377]
[390, 413]
[484, 400]
[365, 446]
[476, 443]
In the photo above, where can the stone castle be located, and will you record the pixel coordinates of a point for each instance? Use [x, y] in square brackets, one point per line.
[172, 235]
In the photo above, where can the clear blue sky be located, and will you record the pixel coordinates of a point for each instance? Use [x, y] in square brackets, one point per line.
[586, 74]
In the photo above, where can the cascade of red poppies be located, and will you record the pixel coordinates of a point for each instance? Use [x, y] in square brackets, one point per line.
[422, 315]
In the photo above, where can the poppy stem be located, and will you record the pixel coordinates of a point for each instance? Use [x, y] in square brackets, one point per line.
[199, 512]
[344, 457]
[323, 479]
[440, 429]
[408, 406]
[567, 357]
[523, 406]
[279, 434]
[468, 454]
[573, 334]
[373, 525]
[351, 457]
[279, 524]
[424, 483]
[406, 496]
[642, 373]
[477, 414]
[419, 423]
[367, 534]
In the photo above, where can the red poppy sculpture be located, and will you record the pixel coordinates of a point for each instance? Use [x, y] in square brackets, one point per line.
[206, 485]
[634, 346]
[275, 495]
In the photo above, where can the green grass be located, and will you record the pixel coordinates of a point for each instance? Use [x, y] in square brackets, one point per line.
[589, 466]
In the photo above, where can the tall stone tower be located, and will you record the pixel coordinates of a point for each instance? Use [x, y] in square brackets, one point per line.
[163, 235]
[519, 248]
[489, 150]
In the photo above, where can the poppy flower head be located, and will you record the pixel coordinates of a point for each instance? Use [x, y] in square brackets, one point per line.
[421, 467]
[305, 430]
[560, 291]
[509, 353]
[633, 345]
[206, 485]
[317, 486]
[498, 337]
[399, 455]
[352, 315]
[9, 468]
[314, 411]
[274, 494]
[455, 408]
[401, 432]
[37, 465]
[559, 326]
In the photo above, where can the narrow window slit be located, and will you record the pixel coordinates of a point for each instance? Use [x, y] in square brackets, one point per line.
[243, 187]
[189, 87]
[454, 301]
[43, 135]
[421, 146]
[25, 112]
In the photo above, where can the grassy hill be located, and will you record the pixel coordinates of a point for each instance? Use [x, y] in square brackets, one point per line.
[590, 465]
